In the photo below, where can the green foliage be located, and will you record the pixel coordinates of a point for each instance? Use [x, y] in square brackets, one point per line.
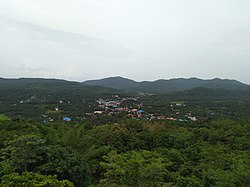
[29, 179]
[66, 164]
[134, 168]
[25, 152]
[191, 181]
[129, 153]
[30, 153]
[5, 169]
[3, 117]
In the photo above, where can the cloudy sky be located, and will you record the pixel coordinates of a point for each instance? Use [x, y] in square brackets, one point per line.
[138, 39]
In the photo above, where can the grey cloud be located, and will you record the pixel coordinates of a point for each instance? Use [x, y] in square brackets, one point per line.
[33, 50]
[140, 39]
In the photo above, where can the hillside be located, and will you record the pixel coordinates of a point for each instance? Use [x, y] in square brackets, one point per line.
[32, 97]
[51, 85]
[123, 84]
[113, 82]
[166, 86]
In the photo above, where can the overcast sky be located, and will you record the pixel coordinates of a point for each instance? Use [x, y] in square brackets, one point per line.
[138, 39]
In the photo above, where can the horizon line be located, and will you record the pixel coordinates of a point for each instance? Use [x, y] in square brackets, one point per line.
[119, 76]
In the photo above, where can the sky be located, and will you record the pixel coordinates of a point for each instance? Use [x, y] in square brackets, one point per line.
[138, 39]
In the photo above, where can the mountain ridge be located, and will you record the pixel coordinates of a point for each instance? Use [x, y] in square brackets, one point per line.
[167, 85]
[124, 84]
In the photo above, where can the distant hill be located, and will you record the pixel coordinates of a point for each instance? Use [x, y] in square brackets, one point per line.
[200, 93]
[53, 85]
[167, 86]
[33, 82]
[113, 82]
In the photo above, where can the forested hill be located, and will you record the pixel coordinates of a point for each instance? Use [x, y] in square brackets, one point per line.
[166, 86]
[34, 82]
[114, 84]
[55, 85]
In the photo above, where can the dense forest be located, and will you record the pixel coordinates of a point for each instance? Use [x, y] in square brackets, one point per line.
[129, 153]
[197, 137]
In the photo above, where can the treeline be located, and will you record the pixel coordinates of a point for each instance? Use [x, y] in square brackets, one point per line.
[129, 153]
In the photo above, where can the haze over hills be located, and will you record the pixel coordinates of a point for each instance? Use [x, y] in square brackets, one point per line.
[165, 86]
[53, 86]
[120, 83]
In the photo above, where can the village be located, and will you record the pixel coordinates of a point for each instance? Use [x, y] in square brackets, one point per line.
[51, 108]
[132, 107]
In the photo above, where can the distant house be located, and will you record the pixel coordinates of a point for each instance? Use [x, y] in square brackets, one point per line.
[66, 119]
[140, 111]
[99, 112]
[192, 118]
[179, 104]
[129, 116]
[88, 114]
[162, 117]
[172, 119]
[134, 110]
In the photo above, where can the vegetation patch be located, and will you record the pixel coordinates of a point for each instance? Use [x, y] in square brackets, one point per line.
[3, 117]
[53, 112]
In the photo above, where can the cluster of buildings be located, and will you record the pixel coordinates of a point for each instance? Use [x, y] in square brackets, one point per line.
[116, 105]
[129, 107]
